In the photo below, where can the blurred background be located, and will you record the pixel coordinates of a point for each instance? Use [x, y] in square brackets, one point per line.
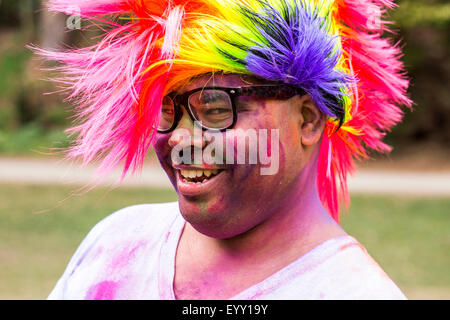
[400, 202]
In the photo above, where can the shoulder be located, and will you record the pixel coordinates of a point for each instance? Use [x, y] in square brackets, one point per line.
[138, 218]
[147, 221]
[132, 221]
[337, 269]
[122, 232]
[351, 273]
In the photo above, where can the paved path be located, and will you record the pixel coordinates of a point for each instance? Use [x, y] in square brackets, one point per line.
[36, 171]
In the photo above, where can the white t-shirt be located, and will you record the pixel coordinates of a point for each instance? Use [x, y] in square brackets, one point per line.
[131, 255]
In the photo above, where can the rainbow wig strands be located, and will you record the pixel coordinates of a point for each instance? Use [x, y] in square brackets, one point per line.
[333, 49]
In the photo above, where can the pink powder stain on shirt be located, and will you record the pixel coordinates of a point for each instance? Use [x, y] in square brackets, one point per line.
[124, 257]
[105, 290]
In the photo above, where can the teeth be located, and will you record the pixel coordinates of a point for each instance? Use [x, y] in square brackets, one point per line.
[198, 173]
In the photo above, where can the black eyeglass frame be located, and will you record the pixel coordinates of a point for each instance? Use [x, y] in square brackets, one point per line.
[281, 92]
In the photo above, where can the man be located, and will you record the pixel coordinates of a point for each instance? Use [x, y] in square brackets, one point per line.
[232, 70]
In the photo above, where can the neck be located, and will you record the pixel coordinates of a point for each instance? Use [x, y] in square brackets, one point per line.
[294, 227]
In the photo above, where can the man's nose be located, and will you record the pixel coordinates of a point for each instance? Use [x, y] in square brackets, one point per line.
[186, 133]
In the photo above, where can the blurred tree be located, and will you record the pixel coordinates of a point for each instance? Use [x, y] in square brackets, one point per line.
[9, 13]
[423, 26]
[23, 101]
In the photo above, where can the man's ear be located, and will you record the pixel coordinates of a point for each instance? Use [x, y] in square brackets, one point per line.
[312, 121]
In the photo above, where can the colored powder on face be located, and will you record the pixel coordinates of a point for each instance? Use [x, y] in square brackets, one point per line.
[217, 205]
[269, 145]
[104, 290]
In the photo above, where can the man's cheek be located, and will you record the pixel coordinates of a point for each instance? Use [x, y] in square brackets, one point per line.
[269, 151]
[160, 143]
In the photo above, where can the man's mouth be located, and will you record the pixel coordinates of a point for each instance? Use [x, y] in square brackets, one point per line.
[198, 176]
[196, 181]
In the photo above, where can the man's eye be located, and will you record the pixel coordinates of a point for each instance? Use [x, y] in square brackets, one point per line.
[168, 112]
[215, 111]
[246, 104]
[243, 109]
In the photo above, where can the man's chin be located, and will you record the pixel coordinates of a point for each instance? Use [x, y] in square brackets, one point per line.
[204, 207]
[202, 214]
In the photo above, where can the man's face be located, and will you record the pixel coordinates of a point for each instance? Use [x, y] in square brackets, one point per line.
[239, 197]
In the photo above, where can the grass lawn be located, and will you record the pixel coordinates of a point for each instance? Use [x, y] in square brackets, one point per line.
[40, 228]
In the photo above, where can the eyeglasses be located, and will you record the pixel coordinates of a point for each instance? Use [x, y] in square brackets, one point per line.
[215, 107]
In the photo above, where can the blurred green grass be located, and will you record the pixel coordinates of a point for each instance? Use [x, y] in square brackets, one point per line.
[32, 140]
[409, 237]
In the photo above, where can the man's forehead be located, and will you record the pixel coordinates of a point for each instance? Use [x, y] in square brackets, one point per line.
[220, 79]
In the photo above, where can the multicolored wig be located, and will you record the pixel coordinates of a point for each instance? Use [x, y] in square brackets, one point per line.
[333, 49]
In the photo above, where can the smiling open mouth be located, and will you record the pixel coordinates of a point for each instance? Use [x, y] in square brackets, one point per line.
[198, 176]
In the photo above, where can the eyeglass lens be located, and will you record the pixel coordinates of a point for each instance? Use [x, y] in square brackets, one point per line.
[213, 108]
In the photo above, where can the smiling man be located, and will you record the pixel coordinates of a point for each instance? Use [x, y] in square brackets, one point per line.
[223, 91]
